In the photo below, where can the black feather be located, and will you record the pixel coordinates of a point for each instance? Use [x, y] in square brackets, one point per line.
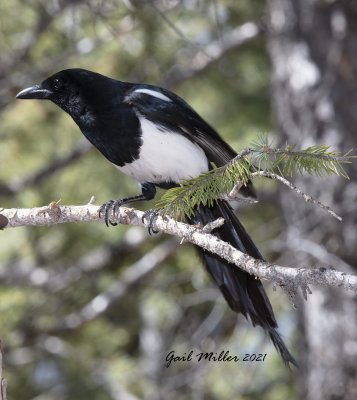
[243, 292]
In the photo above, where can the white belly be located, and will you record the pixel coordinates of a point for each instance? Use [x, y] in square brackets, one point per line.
[165, 157]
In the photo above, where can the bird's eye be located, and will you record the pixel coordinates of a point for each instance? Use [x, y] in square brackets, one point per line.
[57, 83]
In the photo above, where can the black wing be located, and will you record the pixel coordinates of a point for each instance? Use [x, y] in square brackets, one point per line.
[176, 115]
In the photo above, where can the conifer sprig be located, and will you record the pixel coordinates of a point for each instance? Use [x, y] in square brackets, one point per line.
[315, 160]
[206, 189]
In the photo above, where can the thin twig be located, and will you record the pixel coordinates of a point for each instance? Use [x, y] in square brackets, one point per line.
[239, 156]
[217, 223]
[298, 191]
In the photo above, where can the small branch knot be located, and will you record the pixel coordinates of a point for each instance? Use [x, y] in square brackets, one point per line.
[52, 210]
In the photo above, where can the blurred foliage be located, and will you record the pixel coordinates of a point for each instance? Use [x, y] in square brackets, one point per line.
[49, 275]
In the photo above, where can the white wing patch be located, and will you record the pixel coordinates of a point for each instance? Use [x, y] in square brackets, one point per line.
[165, 156]
[153, 93]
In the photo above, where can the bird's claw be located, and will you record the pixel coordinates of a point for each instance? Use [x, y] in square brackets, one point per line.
[150, 216]
[112, 207]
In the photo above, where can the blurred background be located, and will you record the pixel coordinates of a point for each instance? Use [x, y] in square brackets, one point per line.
[88, 312]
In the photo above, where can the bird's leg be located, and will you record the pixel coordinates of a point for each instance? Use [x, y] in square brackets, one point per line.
[148, 191]
[151, 215]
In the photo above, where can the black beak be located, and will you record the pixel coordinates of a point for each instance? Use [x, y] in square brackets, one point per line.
[34, 92]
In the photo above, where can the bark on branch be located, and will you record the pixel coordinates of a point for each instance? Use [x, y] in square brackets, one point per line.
[290, 279]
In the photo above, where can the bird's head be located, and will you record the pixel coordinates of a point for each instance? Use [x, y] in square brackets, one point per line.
[74, 90]
[59, 88]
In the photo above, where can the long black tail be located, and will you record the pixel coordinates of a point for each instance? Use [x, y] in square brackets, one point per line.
[244, 293]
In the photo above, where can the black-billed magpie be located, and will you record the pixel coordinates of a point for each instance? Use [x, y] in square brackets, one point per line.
[154, 136]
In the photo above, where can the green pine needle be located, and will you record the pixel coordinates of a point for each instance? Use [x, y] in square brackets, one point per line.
[182, 201]
[207, 188]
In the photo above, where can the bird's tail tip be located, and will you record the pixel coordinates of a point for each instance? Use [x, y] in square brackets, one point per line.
[279, 344]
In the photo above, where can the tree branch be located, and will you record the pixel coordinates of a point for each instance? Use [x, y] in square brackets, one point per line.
[290, 279]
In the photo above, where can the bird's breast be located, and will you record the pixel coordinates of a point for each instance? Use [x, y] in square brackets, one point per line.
[165, 156]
